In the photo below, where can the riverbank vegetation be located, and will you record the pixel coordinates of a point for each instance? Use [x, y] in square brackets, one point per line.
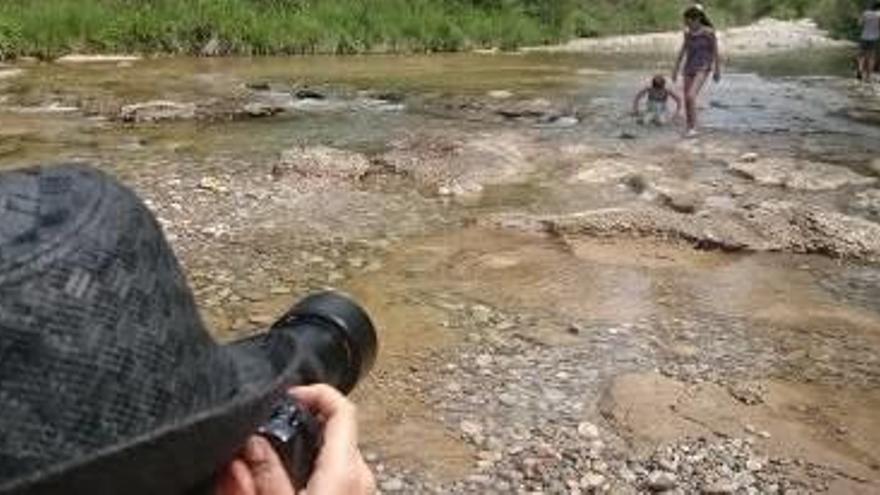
[48, 28]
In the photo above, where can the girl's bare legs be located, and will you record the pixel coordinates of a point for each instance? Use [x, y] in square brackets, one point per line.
[692, 87]
[861, 61]
[868, 69]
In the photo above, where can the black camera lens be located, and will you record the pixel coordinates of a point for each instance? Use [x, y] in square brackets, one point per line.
[334, 341]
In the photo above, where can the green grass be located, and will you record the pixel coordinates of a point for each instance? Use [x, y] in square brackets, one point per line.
[49, 28]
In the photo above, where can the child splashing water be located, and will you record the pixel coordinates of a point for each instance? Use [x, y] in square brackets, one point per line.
[699, 52]
[658, 101]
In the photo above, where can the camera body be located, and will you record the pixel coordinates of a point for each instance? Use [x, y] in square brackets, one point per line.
[295, 434]
[327, 338]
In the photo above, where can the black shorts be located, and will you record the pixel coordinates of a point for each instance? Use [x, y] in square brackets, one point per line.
[868, 46]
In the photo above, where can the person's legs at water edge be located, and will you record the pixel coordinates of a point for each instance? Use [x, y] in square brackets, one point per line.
[870, 61]
[693, 84]
[865, 60]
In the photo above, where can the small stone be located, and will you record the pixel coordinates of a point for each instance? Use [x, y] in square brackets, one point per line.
[392, 485]
[754, 465]
[720, 488]
[749, 158]
[482, 314]
[280, 290]
[507, 399]
[484, 360]
[211, 184]
[471, 429]
[588, 430]
[668, 464]
[591, 481]
[661, 481]
[500, 94]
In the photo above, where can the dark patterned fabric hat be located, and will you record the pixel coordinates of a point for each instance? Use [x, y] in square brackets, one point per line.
[109, 382]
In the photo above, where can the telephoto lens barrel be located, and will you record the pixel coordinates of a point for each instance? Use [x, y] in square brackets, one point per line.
[335, 340]
[326, 338]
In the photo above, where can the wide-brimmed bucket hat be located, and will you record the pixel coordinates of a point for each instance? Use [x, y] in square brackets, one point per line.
[109, 382]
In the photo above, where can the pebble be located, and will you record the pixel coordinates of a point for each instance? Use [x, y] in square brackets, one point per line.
[484, 360]
[749, 158]
[661, 481]
[500, 94]
[471, 429]
[212, 184]
[720, 488]
[508, 399]
[591, 481]
[392, 485]
[588, 430]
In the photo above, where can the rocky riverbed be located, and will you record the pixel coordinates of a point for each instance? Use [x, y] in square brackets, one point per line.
[568, 301]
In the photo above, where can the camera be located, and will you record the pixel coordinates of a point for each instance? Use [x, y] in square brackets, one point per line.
[326, 338]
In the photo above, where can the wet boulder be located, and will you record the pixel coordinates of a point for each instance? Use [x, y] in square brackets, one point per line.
[309, 94]
[9, 72]
[768, 226]
[867, 202]
[261, 109]
[797, 174]
[461, 165]
[322, 162]
[158, 110]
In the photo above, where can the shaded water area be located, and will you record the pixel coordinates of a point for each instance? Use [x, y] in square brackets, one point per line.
[509, 318]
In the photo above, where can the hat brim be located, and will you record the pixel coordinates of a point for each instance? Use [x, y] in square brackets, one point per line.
[179, 457]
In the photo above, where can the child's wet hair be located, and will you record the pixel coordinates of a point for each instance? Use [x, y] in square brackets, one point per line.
[698, 14]
[658, 82]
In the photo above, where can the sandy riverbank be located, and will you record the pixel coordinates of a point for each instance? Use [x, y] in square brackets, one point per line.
[763, 37]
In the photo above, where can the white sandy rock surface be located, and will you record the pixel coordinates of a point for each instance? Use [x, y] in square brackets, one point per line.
[764, 36]
[93, 59]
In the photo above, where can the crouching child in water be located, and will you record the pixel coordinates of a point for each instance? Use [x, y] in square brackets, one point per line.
[658, 102]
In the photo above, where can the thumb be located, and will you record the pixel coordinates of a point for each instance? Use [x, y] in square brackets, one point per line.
[269, 475]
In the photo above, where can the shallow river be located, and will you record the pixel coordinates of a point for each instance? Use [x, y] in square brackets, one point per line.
[805, 328]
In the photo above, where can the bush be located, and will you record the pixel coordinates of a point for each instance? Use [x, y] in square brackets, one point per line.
[48, 28]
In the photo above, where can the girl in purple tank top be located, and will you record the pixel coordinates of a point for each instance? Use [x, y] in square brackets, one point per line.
[699, 52]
